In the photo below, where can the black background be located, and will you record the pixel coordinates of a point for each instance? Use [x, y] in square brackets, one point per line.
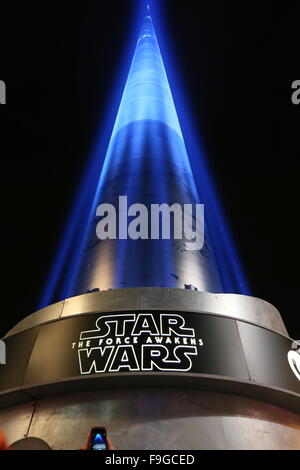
[238, 59]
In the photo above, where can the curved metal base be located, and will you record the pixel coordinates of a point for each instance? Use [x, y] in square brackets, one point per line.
[157, 410]
[242, 307]
[157, 419]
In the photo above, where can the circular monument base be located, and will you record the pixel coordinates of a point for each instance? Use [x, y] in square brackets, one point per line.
[160, 368]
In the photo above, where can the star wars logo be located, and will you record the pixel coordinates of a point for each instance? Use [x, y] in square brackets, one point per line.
[137, 342]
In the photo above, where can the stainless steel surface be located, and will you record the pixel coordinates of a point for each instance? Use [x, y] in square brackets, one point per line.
[241, 307]
[146, 161]
[143, 418]
[153, 263]
[161, 420]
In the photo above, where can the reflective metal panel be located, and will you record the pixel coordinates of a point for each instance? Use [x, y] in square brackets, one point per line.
[236, 306]
[166, 419]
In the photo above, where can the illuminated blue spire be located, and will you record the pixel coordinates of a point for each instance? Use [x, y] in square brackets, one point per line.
[147, 161]
[147, 94]
[147, 97]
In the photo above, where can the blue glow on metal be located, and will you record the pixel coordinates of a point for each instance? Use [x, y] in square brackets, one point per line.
[222, 240]
[146, 98]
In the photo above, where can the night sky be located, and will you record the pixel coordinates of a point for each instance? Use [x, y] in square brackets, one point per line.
[237, 60]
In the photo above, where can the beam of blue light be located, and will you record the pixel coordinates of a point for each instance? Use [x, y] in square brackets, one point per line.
[145, 99]
[74, 228]
[222, 240]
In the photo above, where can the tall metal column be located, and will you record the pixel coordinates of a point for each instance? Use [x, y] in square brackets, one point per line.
[161, 366]
[146, 161]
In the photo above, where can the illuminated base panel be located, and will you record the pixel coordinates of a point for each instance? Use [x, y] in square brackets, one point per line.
[160, 368]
